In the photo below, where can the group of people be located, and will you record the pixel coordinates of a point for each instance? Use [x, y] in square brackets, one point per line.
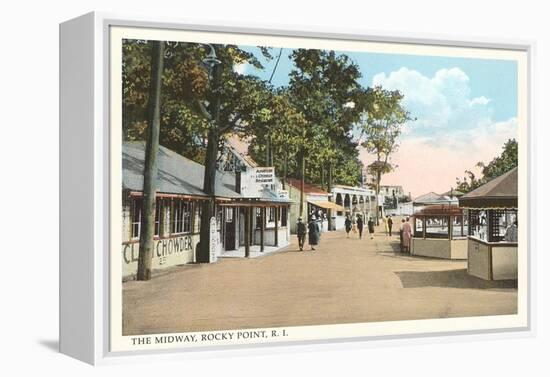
[405, 230]
[312, 229]
[357, 225]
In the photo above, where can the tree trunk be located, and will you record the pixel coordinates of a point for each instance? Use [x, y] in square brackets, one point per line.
[147, 229]
[322, 176]
[209, 185]
[329, 189]
[302, 169]
[378, 177]
[267, 149]
[247, 231]
[285, 169]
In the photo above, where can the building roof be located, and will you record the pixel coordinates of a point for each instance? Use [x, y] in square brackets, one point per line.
[308, 187]
[501, 192]
[353, 189]
[433, 198]
[440, 210]
[240, 148]
[453, 193]
[176, 174]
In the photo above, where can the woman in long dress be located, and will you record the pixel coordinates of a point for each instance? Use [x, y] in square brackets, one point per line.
[407, 235]
[313, 232]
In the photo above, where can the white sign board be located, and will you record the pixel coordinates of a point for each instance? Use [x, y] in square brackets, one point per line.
[283, 194]
[213, 240]
[263, 176]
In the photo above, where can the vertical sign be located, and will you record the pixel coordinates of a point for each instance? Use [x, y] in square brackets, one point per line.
[213, 240]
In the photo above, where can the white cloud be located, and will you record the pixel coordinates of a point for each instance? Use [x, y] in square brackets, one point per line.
[441, 101]
[453, 130]
[480, 101]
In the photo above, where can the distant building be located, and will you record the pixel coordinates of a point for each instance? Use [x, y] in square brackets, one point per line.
[392, 191]
[316, 201]
[353, 201]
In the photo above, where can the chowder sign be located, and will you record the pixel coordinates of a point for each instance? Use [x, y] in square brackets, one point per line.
[166, 252]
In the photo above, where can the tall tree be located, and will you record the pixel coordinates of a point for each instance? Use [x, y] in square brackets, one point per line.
[381, 126]
[230, 101]
[322, 86]
[150, 173]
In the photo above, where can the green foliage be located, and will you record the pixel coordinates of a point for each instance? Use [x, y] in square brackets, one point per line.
[381, 124]
[187, 93]
[316, 114]
[500, 165]
[322, 86]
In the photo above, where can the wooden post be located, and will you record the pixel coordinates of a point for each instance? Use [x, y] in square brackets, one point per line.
[252, 228]
[147, 230]
[262, 229]
[423, 227]
[246, 232]
[277, 211]
[302, 177]
[329, 189]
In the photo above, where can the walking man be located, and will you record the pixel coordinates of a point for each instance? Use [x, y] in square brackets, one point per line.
[360, 226]
[301, 232]
[347, 224]
[313, 231]
[371, 227]
[390, 224]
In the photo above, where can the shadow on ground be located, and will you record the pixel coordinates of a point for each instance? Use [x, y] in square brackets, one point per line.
[458, 278]
[51, 344]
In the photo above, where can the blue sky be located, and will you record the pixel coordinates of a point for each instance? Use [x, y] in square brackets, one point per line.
[465, 110]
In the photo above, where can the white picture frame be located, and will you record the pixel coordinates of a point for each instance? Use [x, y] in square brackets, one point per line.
[85, 192]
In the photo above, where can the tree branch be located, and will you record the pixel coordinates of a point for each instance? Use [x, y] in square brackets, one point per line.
[203, 110]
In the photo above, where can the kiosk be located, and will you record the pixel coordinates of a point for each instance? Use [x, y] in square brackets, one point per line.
[492, 228]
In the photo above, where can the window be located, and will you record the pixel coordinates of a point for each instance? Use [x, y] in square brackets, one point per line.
[478, 224]
[229, 215]
[460, 226]
[418, 227]
[137, 204]
[136, 217]
[181, 216]
[437, 227]
[491, 225]
[501, 220]
[158, 213]
[258, 218]
[284, 216]
[271, 214]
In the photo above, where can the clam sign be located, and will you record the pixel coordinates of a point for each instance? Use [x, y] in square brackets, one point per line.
[263, 176]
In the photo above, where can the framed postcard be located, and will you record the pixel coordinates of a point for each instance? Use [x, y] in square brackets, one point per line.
[225, 187]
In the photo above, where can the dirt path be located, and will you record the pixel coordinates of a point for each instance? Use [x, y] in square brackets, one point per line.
[346, 280]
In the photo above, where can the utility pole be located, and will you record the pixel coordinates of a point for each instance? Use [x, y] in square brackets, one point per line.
[209, 186]
[147, 229]
[329, 189]
[302, 177]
